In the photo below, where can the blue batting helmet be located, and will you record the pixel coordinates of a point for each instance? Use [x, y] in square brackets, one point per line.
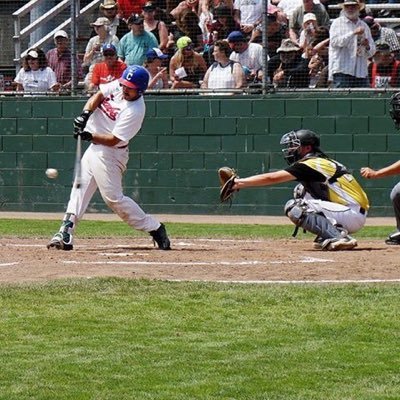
[135, 77]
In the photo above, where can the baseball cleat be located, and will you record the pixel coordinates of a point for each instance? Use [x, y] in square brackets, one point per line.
[61, 241]
[393, 239]
[345, 243]
[161, 238]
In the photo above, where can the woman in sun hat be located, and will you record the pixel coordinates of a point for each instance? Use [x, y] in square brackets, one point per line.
[187, 67]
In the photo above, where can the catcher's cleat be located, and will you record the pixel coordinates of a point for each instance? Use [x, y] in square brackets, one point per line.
[393, 239]
[61, 241]
[161, 238]
[335, 244]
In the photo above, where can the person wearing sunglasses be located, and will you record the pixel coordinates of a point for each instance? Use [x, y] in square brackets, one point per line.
[187, 67]
[35, 76]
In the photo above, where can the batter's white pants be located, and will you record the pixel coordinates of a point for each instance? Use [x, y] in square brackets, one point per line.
[102, 168]
[349, 217]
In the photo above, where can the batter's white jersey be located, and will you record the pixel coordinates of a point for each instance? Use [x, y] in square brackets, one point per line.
[117, 116]
[103, 166]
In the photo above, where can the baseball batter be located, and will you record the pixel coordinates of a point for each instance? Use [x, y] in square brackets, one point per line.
[111, 118]
[328, 202]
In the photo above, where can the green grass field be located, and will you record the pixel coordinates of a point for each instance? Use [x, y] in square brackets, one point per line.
[140, 339]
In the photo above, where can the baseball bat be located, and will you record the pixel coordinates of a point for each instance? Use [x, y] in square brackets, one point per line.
[77, 168]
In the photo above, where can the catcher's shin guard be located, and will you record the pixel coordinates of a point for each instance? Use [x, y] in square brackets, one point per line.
[297, 211]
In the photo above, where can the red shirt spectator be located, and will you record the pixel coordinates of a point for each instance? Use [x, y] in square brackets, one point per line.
[108, 70]
[129, 7]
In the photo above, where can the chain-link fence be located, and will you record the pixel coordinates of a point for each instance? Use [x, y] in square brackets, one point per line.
[199, 46]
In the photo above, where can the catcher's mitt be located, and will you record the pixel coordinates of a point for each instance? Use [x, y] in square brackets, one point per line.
[227, 180]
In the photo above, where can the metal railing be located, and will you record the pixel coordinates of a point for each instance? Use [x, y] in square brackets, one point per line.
[21, 33]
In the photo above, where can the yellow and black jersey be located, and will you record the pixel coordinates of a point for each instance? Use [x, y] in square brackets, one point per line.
[328, 180]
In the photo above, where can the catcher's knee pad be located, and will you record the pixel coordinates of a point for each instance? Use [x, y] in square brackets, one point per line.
[295, 210]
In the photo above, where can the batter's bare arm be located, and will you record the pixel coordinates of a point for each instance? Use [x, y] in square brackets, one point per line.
[369, 173]
[267, 179]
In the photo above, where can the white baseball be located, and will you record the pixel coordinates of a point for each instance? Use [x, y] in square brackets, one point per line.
[51, 173]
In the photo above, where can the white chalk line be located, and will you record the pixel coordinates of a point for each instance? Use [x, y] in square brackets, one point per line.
[9, 264]
[305, 260]
[305, 281]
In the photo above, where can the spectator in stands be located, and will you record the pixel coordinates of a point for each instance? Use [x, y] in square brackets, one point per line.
[307, 34]
[318, 56]
[277, 29]
[296, 20]
[350, 47]
[128, 7]
[35, 76]
[107, 71]
[249, 55]
[186, 5]
[158, 72]
[289, 69]
[187, 67]
[155, 26]
[248, 14]
[188, 25]
[384, 70]
[134, 45]
[118, 25]
[59, 60]
[288, 6]
[223, 25]
[223, 73]
[381, 33]
[93, 52]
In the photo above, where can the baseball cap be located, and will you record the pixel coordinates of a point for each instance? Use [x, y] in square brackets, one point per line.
[109, 47]
[61, 34]
[149, 6]
[154, 53]
[101, 21]
[136, 19]
[183, 42]
[287, 45]
[309, 17]
[236, 36]
[32, 54]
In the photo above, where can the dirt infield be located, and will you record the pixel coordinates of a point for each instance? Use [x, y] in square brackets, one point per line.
[27, 260]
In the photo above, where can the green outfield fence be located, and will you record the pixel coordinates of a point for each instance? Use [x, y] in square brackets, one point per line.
[174, 159]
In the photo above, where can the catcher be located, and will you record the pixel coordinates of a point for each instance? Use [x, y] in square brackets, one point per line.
[328, 201]
[393, 169]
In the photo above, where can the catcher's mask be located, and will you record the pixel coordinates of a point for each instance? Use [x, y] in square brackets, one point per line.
[293, 140]
[395, 109]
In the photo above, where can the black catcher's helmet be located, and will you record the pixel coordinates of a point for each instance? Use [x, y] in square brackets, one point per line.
[395, 109]
[292, 141]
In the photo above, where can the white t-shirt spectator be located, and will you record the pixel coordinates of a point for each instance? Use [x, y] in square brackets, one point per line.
[40, 80]
[251, 58]
[250, 11]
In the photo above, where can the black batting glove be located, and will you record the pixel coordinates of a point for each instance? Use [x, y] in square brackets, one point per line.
[81, 121]
[84, 135]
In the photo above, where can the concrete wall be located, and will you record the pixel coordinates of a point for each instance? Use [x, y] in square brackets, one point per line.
[173, 160]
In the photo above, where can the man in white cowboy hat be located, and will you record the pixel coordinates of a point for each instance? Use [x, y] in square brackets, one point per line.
[350, 46]
[118, 26]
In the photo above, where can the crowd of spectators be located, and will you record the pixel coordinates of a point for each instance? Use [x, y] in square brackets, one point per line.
[217, 44]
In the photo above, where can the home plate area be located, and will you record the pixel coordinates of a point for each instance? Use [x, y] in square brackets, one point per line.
[289, 260]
